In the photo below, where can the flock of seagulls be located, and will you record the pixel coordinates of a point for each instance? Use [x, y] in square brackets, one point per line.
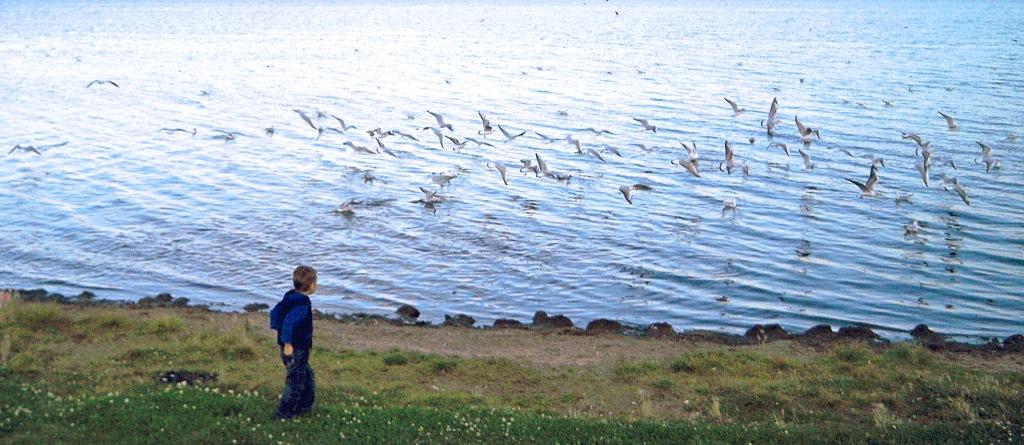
[447, 138]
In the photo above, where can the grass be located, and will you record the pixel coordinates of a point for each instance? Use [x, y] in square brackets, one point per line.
[91, 359]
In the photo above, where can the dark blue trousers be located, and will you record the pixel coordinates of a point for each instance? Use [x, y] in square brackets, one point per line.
[299, 385]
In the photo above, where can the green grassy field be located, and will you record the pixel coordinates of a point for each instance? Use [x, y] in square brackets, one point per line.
[90, 375]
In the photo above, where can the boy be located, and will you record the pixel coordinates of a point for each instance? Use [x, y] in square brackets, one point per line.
[292, 318]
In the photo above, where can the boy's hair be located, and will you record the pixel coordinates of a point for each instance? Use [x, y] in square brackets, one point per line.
[303, 278]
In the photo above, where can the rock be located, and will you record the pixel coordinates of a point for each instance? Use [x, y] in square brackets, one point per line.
[408, 312]
[821, 330]
[256, 307]
[507, 323]
[459, 320]
[660, 330]
[163, 298]
[858, 333]
[543, 321]
[1014, 343]
[604, 326]
[179, 302]
[188, 377]
[771, 332]
[928, 338]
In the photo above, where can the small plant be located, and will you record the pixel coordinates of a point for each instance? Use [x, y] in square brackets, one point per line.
[715, 409]
[395, 359]
[443, 365]
[662, 384]
[681, 364]
[883, 418]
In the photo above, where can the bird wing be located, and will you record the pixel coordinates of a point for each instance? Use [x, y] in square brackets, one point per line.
[732, 104]
[305, 118]
[484, 120]
[863, 188]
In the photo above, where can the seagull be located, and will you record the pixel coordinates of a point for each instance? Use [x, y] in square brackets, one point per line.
[510, 136]
[781, 145]
[647, 125]
[545, 138]
[529, 167]
[912, 228]
[486, 123]
[437, 132]
[805, 132]
[102, 82]
[643, 147]
[501, 169]
[440, 121]
[178, 130]
[443, 179]
[728, 162]
[808, 165]
[1011, 137]
[596, 131]
[28, 148]
[384, 149]
[950, 122]
[627, 191]
[594, 153]
[903, 199]
[887, 103]
[319, 130]
[923, 167]
[986, 157]
[959, 188]
[570, 139]
[729, 204]
[613, 150]
[458, 145]
[772, 117]
[360, 148]
[688, 164]
[478, 142]
[269, 131]
[344, 127]
[429, 197]
[913, 136]
[867, 188]
[691, 150]
[735, 108]
[405, 135]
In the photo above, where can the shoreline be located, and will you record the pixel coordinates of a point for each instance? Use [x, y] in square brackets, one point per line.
[407, 315]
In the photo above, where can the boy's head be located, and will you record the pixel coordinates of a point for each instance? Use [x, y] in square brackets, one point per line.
[304, 279]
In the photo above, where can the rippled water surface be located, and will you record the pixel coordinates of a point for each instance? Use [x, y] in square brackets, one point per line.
[127, 210]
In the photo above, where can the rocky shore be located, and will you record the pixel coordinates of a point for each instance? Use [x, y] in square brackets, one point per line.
[407, 315]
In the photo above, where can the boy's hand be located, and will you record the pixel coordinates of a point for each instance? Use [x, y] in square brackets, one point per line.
[288, 350]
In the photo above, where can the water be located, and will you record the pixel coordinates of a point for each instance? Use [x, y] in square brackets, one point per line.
[128, 211]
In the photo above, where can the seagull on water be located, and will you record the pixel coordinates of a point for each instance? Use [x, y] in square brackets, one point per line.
[773, 119]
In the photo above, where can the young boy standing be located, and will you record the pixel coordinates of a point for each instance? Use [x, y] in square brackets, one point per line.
[292, 318]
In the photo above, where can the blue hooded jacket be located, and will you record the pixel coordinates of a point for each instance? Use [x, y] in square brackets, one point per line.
[292, 318]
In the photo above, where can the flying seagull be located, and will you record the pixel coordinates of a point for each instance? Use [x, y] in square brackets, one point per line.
[647, 125]
[867, 188]
[950, 122]
[510, 136]
[772, 117]
[440, 121]
[102, 82]
[488, 129]
[735, 108]
[808, 165]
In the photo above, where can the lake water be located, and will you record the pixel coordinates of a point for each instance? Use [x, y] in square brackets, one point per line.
[128, 211]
